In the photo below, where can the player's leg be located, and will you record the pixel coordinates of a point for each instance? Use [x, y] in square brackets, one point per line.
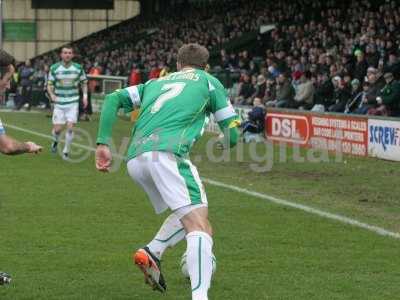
[147, 261]
[56, 132]
[173, 190]
[21, 98]
[180, 186]
[71, 115]
[199, 253]
[175, 183]
[170, 234]
[69, 136]
[148, 258]
[172, 231]
[29, 97]
[59, 121]
[194, 218]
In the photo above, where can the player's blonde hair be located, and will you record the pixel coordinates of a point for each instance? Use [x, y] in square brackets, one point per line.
[193, 55]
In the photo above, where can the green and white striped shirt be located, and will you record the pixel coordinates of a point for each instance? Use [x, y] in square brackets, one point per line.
[66, 82]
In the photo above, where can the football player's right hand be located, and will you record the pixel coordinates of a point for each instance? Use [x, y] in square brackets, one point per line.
[33, 148]
[103, 158]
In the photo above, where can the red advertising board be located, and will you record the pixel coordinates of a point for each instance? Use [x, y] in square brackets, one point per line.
[319, 131]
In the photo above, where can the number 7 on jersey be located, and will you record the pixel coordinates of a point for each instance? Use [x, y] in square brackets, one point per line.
[171, 91]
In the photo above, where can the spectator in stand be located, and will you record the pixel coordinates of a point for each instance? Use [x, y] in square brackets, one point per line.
[233, 62]
[224, 63]
[356, 97]
[26, 73]
[281, 64]
[40, 86]
[390, 45]
[270, 91]
[284, 93]
[304, 98]
[376, 75]
[244, 61]
[273, 70]
[393, 66]
[323, 93]
[374, 86]
[155, 71]
[135, 77]
[93, 85]
[341, 95]
[388, 101]
[260, 87]
[372, 56]
[246, 90]
[363, 106]
[296, 75]
[10, 91]
[253, 68]
[361, 66]
[255, 123]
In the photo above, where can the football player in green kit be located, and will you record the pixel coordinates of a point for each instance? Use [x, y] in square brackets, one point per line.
[173, 113]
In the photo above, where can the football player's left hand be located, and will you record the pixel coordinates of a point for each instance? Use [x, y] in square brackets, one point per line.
[103, 158]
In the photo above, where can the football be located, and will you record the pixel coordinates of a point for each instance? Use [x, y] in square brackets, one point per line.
[184, 268]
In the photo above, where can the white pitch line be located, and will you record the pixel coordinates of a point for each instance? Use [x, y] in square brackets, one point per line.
[309, 209]
[9, 110]
[282, 202]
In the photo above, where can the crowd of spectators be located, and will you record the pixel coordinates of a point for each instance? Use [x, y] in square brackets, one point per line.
[27, 87]
[212, 24]
[345, 59]
[338, 56]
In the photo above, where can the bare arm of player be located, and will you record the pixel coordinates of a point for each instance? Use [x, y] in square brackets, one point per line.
[85, 94]
[50, 90]
[9, 146]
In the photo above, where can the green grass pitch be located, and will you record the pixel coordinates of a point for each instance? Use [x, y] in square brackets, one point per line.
[68, 232]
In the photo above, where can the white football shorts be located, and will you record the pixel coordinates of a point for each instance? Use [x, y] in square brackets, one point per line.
[169, 181]
[63, 114]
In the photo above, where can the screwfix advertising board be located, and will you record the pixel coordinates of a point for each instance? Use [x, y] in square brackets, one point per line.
[384, 139]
